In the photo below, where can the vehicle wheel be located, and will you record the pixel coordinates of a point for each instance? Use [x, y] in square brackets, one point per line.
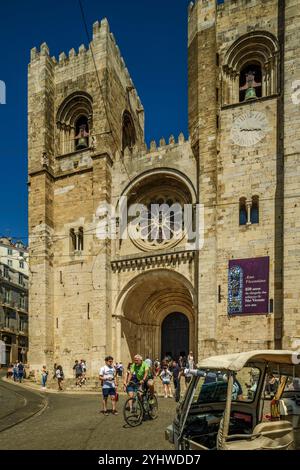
[182, 445]
[133, 417]
[153, 407]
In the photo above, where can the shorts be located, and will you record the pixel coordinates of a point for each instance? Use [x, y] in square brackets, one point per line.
[166, 382]
[108, 391]
[78, 375]
[146, 384]
[132, 387]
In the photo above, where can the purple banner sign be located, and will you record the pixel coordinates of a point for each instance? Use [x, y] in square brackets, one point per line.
[248, 286]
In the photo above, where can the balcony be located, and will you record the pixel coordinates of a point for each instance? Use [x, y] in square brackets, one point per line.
[24, 331]
[9, 329]
[22, 310]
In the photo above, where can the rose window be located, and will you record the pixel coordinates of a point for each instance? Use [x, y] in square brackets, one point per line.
[157, 220]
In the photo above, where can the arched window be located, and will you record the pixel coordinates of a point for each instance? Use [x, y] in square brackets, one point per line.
[250, 68]
[254, 213]
[76, 240]
[128, 132]
[72, 240]
[80, 239]
[243, 218]
[74, 123]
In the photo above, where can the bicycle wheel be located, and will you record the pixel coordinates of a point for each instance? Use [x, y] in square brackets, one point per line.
[153, 407]
[134, 416]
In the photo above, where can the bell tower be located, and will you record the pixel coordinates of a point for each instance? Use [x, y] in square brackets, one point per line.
[83, 114]
[202, 79]
[241, 66]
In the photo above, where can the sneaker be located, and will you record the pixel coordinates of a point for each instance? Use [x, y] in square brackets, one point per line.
[105, 413]
[166, 396]
[115, 413]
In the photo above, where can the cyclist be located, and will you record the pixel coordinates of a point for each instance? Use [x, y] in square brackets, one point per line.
[139, 376]
[126, 376]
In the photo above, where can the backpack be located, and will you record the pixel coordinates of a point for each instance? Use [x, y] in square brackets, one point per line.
[59, 374]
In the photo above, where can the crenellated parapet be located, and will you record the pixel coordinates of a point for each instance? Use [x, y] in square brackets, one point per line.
[163, 147]
[205, 3]
[103, 44]
[158, 149]
[220, 4]
[101, 28]
[63, 58]
[173, 149]
[98, 70]
[73, 58]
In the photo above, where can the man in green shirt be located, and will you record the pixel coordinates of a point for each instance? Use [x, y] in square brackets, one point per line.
[140, 374]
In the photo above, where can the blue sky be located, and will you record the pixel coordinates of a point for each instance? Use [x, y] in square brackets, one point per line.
[152, 36]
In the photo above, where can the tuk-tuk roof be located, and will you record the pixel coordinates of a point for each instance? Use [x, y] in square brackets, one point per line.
[236, 361]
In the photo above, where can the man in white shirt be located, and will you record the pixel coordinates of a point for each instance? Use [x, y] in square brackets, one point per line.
[108, 378]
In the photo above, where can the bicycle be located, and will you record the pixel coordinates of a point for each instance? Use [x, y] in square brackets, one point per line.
[138, 407]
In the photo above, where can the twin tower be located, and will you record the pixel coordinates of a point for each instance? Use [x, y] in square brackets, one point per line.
[93, 294]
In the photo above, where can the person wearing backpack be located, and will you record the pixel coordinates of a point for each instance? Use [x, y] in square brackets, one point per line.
[166, 376]
[20, 371]
[177, 372]
[60, 377]
[78, 373]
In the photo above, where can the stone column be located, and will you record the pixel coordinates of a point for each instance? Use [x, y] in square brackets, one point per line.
[248, 206]
[118, 328]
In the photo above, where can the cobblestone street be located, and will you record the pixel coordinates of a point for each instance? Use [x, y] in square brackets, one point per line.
[73, 422]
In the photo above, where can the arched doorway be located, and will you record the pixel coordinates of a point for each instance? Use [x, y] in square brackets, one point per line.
[146, 303]
[175, 335]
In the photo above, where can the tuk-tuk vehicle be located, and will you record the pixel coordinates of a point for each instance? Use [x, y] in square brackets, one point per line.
[242, 401]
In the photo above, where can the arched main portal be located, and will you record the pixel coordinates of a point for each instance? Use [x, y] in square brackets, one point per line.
[144, 305]
[175, 335]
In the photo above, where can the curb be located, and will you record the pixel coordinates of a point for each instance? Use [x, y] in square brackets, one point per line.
[40, 410]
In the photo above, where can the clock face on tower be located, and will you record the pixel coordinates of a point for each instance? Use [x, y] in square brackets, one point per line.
[249, 128]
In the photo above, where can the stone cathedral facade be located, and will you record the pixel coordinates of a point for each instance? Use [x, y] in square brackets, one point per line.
[90, 294]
